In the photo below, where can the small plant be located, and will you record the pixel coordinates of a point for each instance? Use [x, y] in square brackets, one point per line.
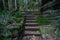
[43, 21]
[18, 15]
[14, 18]
[1, 37]
[2, 25]
[18, 20]
[10, 21]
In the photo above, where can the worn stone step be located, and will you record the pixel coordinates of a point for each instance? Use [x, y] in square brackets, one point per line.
[31, 21]
[30, 18]
[31, 24]
[27, 14]
[15, 38]
[30, 15]
[31, 28]
[28, 27]
[32, 37]
[31, 32]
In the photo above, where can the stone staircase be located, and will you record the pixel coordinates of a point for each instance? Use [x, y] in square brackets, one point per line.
[31, 28]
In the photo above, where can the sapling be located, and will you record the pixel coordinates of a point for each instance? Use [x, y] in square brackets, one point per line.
[10, 21]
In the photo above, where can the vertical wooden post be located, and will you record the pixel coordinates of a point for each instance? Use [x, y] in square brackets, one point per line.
[18, 6]
[40, 2]
[9, 4]
[4, 4]
[15, 5]
[25, 4]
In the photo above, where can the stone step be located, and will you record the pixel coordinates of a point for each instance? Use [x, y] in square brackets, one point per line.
[30, 15]
[27, 14]
[30, 18]
[31, 21]
[31, 28]
[30, 37]
[31, 24]
[32, 34]
[27, 32]
[15, 38]
[28, 27]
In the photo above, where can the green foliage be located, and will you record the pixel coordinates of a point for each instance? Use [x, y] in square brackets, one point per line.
[16, 14]
[42, 21]
[18, 20]
[58, 34]
[36, 12]
[49, 30]
[22, 2]
[2, 25]
[10, 21]
[1, 38]
[12, 14]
